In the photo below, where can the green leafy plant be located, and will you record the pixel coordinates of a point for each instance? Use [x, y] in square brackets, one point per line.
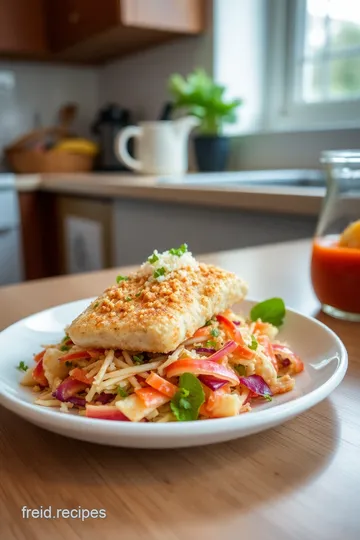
[203, 98]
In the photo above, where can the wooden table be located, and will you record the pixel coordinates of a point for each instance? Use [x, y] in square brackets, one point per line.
[298, 481]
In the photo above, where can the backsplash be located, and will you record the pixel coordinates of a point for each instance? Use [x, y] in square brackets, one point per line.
[31, 94]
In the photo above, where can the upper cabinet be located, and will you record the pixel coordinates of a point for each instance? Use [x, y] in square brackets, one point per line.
[22, 28]
[94, 31]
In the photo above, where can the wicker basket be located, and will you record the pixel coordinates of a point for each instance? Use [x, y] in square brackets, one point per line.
[50, 161]
[36, 159]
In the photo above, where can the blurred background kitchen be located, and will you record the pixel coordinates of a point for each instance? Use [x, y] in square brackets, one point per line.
[270, 84]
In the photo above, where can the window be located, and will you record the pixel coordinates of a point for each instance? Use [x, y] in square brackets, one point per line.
[315, 66]
[329, 55]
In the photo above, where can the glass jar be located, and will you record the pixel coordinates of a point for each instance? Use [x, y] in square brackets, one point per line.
[335, 265]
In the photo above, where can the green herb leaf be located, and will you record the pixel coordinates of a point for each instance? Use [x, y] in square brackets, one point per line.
[22, 366]
[208, 323]
[210, 343]
[179, 251]
[96, 305]
[123, 393]
[267, 397]
[121, 278]
[68, 364]
[159, 272]
[65, 348]
[188, 399]
[138, 359]
[138, 294]
[272, 311]
[240, 369]
[153, 258]
[254, 343]
[65, 338]
[215, 332]
[128, 299]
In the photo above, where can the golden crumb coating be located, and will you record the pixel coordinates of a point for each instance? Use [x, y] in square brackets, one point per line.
[141, 314]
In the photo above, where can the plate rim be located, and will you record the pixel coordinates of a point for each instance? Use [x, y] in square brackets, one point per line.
[263, 418]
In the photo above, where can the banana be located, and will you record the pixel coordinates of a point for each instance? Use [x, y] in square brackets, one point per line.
[77, 146]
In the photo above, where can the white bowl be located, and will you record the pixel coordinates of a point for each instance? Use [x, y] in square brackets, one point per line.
[323, 354]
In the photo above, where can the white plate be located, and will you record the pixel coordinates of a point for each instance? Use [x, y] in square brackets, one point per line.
[322, 352]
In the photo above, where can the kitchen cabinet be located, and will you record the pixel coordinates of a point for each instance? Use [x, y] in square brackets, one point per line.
[84, 30]
[22, 28]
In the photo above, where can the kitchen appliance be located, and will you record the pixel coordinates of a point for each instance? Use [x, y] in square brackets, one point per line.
[110, 120]
[162, 147]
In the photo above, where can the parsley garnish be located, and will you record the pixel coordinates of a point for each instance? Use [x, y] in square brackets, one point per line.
[96, 304]
[271, 311]
[68, 364]
[138, 294]
[208, 323]
[65, 348]
[65, 338]
[153, 258]
[123, 393]
[215, 332]
[128, 298]
[188, 399]
[254, 343]
[159, 272]
[179, 251]
[22, 366]
[267, 397]
[210, 343]
[240, 369]
[121, 278]
[138, 358]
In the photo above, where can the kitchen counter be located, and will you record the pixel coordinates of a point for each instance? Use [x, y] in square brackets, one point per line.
[289, 200]
[298, 480]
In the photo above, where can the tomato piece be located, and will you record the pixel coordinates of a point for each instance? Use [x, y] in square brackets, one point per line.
[150, 397]
[83, 355]
[204, 331]
[235, 334]
[161, 385]
[105, 412]
[81, 375]
[201, 367]
[231, 329]
[39, 374]
[39, 356]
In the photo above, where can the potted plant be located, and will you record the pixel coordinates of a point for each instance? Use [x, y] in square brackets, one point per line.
[203, 98]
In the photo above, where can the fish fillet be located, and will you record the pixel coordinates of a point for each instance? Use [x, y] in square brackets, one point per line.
[141, 314]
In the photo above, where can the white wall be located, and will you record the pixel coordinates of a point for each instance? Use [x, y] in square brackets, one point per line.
[29, 89]
[140, 82]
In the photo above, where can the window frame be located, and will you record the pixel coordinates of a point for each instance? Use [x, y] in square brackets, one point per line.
[283, 112]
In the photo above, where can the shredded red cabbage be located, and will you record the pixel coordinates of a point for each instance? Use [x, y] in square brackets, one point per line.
[205, 350]
[105, 398]
[68, 388]
[238, 323]
[256, 384]
[212, 382]
[76, 400]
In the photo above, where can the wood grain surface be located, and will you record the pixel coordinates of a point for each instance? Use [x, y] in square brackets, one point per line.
[298, 481]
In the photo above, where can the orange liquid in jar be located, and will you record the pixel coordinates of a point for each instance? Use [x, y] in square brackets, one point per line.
[335, 274]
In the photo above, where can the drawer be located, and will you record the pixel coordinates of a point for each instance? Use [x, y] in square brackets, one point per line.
[9, 211]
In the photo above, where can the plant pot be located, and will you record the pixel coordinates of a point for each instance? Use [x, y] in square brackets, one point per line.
[211, 152]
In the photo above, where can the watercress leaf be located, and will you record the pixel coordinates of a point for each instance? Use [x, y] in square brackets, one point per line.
[187, 401]
[272, 311]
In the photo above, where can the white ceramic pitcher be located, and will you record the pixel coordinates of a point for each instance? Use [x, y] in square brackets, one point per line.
[161, 147]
